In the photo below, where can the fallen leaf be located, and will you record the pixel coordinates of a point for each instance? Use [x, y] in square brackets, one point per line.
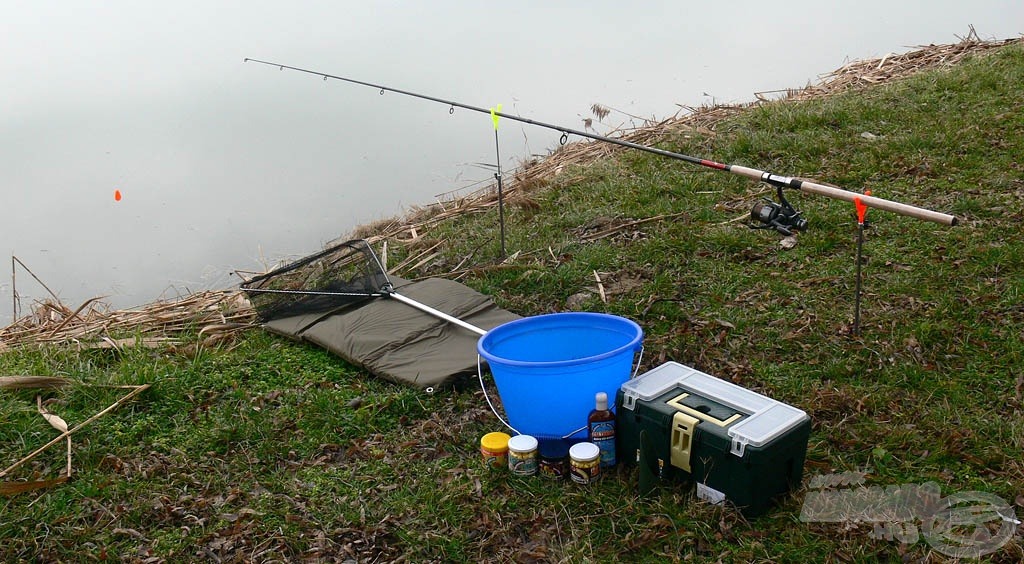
[55, 421]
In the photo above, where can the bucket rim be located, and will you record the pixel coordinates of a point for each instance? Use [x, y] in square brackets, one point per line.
[633, 344]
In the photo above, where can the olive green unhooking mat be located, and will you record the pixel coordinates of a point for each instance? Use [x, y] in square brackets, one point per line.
[398, 342]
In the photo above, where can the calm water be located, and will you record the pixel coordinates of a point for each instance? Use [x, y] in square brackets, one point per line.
[226, 165]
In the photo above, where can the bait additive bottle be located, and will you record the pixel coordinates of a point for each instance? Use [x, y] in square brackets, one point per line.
[601, 430]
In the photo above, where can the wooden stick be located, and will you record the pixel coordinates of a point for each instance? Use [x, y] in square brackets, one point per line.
[136, 391]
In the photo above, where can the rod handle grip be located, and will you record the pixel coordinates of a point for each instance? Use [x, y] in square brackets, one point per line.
[840, 194]
[879, 203]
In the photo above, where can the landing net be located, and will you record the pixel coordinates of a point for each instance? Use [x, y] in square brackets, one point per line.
[338, 276]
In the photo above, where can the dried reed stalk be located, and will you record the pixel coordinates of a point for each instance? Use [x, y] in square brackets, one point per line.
[157, 324]
[12, 488]
[620, 228]
[32, 382]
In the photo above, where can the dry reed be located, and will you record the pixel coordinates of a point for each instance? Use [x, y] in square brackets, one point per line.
[214, 315]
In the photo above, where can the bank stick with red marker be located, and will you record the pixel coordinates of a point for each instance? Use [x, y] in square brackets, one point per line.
[862, 211]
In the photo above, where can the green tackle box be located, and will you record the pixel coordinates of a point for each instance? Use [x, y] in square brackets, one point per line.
[734, 444]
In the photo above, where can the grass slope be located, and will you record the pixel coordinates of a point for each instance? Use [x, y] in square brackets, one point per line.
[275, 450]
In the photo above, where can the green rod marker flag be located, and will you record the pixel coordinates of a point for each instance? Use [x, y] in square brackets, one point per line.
[494, 116]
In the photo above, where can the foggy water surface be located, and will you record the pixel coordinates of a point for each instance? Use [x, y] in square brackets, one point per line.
[227, 165]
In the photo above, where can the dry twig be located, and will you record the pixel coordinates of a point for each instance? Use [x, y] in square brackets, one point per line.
[135, 390]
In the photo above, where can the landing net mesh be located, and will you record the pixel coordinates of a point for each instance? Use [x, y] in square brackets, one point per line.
[338, 276]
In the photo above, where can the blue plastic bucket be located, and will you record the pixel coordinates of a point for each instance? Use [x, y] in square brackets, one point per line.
[548, 368]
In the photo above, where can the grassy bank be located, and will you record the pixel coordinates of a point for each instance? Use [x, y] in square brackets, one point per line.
[273, 450]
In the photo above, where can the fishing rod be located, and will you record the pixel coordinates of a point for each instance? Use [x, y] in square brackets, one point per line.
[786, 218]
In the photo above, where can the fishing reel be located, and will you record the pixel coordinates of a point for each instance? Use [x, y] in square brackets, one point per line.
[780, 216]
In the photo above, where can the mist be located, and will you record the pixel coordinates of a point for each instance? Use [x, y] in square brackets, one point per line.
[226, 165]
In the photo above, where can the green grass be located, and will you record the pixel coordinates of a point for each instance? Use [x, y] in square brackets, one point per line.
[278, 450]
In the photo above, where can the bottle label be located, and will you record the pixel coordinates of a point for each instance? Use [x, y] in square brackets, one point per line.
[494, 459]
[585, 471]
[602, 434]
[523, 463]
[554, 468]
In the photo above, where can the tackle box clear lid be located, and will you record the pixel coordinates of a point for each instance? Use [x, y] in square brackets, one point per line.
[767, 418]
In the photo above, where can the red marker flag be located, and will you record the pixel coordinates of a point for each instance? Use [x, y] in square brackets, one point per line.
[862, 210]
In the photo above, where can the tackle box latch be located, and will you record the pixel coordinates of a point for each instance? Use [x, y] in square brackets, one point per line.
[682, 439]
